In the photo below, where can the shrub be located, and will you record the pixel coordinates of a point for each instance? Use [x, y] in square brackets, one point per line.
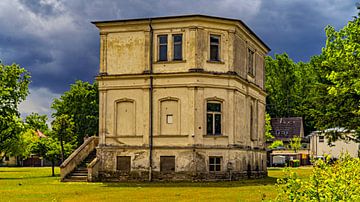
[328, 182]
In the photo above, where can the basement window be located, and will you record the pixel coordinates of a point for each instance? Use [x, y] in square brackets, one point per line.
[167, 163]
[215, 163]
[123, 163]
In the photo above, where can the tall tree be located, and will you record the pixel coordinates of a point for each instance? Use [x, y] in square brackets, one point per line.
[81, 103]
[339, 86]
[63, 127]
[14, 82]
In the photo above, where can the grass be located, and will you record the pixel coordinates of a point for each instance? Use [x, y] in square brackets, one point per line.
[35, 184]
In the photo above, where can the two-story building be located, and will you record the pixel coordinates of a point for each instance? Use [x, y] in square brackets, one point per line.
[181, 97]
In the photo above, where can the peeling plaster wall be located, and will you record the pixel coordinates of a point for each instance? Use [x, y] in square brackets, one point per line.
[180, 95]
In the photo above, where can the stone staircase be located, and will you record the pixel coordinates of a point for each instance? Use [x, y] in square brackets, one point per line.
[82, 164]
[80, 173]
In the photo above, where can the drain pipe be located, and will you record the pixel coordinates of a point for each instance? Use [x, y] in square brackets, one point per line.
[151, 101]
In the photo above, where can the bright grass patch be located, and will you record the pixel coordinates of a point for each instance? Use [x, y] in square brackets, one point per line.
[35, 184]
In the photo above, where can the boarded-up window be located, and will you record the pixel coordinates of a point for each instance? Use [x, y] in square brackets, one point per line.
[253, 120]
[123, 163]
[125, 118]
[169, 117]
[167, 163]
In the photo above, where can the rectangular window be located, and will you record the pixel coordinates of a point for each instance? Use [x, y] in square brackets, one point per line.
[177, 40]
[214, 163]
[321, 138]
[214, 48]
[251, 69]
[162, 41]
[169, 119]
[167, 163]
[123, 163]
[7, 158]
[213, 118]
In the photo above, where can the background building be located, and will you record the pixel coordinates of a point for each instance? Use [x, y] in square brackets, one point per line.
[320, 147]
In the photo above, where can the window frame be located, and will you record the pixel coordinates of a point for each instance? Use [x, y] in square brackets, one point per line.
[175, 44]
[218, 59]
[214, 113]
[321, 138]
[160, 45]
[215, 164]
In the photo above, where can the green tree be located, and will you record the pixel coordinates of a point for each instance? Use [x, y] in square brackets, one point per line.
[14, 82]
[268, 128]
[339, 84]
[81, 103]
[290, 88]
[36, 121]
[276, 144]
[63, 131]
[295, 143]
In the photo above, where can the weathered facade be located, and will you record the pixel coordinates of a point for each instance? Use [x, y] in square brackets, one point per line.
[181, 98]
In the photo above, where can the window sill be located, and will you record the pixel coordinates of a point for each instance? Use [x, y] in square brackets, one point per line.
[215, 61]
[215, 136]
[170, 62]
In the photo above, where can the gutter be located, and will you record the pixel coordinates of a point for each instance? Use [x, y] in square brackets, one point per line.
[151, 103]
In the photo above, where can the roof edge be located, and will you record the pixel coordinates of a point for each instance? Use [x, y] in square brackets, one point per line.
[187, 16]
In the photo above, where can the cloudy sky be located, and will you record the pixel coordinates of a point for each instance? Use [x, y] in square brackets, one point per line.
[55, 41]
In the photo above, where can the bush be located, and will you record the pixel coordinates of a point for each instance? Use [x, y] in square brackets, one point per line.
[328, 182]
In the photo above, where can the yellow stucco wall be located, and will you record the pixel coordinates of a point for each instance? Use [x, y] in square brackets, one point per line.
[181, 93]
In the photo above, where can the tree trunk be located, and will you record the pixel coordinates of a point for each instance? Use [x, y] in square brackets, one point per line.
[53, 167]
[62, 148]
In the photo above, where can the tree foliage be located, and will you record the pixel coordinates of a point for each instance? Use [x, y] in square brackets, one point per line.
[290, 88]
[295, 143]
[36, 121]
[81, 104]
[14, 82]
[276, 144]
[268, 128]
[328, 182]
[338, 98]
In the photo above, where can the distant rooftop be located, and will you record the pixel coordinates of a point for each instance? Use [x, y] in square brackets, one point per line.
[286, 128]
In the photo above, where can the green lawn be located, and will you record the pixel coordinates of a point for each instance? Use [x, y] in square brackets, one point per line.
[35, 184]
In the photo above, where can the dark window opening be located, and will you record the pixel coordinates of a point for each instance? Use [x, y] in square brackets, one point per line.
[167, 163]
[214, 48]
[123, 163]
[251, 69]
[213, 118]
[321, 138]
[214, 163]
[177, 40]
[7, 158]
[162, 40]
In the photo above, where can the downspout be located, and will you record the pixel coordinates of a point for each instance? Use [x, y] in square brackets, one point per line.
[151, 101]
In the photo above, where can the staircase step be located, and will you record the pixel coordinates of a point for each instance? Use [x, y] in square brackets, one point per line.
[78, 174]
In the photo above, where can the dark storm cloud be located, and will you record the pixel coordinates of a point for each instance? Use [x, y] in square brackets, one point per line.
[56, 42]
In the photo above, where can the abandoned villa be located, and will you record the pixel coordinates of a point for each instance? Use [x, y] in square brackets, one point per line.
[181, 98]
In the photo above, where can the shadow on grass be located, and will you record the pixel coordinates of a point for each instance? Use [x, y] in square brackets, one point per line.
[240, 183]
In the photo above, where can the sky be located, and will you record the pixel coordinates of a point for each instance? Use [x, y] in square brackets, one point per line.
[55, 41]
